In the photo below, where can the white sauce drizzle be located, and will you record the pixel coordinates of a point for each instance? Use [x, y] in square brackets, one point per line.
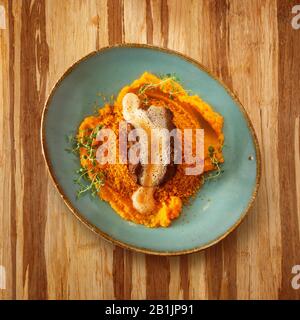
[143, 198]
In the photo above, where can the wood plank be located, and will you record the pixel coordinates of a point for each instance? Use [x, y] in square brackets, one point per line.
[7, 239]
[254, 65]
[289, 101]
[75, 249]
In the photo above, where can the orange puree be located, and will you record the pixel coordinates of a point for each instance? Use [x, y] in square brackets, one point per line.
[188, 112]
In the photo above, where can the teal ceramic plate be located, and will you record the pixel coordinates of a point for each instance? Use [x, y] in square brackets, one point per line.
[218, 208]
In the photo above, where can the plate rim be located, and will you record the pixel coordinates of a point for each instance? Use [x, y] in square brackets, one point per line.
[97, 230]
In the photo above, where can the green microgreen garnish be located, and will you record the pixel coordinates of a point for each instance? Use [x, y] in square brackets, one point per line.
[164, 79]
[173, 76]
[95, 179]
[170, 78]
[216, 163]
[95, 183]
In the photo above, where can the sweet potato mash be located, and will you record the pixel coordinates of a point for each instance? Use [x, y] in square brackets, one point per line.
[118, 184]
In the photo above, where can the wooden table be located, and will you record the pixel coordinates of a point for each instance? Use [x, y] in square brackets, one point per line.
[251, 46]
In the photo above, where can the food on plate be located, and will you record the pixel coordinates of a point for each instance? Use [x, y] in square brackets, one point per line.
[143, 191]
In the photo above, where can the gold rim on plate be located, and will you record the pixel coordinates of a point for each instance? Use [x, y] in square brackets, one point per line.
[107, 237]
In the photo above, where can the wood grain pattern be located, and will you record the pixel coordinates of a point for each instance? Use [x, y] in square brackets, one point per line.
[289, 102]
[251, 46]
